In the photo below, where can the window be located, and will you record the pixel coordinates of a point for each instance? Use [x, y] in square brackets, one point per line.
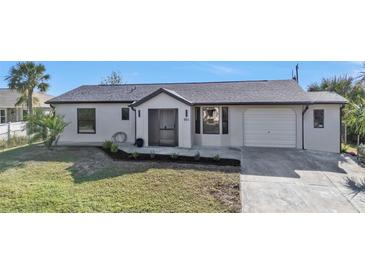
[186, 113]
[318, 115]
[2, 116]
[125, 113]
[86, 120]
[211, 120]
[139, 113]
[224, 120]
[197, 120]
[25, 113]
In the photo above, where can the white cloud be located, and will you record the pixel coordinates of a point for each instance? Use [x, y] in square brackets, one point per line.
[220, 69]
[216, 69]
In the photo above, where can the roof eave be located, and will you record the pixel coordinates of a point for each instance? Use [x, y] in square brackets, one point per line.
[157, 92]
[88, 102]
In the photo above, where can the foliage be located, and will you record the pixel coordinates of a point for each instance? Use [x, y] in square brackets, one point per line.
[216, 157]
[107, 144]
[115, 78]
[27, 77]
[361, 76]
[113, 148]
[134, 155]
[14, 141]
[355, 116]
[344, 148]
[342, 85]
[46, 126]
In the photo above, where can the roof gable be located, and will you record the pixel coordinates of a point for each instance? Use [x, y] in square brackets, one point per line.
[159, 91]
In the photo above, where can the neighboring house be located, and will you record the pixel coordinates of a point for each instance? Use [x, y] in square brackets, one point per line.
[9, 112]
[265, 113]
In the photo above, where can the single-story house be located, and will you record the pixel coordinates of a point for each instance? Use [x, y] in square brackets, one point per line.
[10, 112]
[268, 113]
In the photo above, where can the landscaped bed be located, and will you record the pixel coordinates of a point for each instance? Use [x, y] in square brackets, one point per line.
[70, 179]
[121, 155]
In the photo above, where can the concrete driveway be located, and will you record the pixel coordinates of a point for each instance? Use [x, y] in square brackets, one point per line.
[291, 180]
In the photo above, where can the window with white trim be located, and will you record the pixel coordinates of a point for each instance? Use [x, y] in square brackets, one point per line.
[210, 120]
[318, 118]
[2, 116]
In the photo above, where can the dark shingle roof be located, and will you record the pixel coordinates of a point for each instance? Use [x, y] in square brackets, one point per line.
[326, 97]
[234, 92]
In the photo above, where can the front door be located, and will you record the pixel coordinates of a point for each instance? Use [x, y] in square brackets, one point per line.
[163, 127]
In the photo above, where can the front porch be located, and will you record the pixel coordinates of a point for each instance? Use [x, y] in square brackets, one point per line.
[208, 152]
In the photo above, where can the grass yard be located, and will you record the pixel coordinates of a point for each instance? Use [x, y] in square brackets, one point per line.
[35, 179]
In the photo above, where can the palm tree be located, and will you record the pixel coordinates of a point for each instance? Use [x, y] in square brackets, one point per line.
[27, 77]
[355, 117]
[361, 76]
[343, 85]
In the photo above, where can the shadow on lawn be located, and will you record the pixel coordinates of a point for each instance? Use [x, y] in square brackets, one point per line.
[87, 164]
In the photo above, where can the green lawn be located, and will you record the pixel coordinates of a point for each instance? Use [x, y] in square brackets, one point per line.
[35, 179]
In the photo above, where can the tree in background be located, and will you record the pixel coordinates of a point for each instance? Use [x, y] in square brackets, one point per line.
[354, 92]
[27, 77]
[115, 78]
[342, 85]
[355, 117]
[361, 76]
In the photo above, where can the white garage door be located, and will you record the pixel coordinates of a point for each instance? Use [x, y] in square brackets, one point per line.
[269, 127]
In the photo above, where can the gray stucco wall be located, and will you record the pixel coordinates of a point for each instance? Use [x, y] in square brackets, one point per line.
[326, 138]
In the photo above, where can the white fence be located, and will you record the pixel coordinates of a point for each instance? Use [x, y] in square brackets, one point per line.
[8, 130]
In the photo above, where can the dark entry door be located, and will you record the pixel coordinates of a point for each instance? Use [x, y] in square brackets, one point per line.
[163, 127]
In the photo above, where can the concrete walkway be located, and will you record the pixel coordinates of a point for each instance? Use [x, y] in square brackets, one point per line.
[223, 152]
[291, 180]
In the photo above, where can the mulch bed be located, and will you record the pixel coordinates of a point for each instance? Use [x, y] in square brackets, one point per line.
[121, 155]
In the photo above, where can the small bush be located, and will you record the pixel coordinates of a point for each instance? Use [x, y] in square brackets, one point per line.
[344, 148]
[197, 156]
[216, 158]
[113, 148]
[134, 155]
[174, 156]
[152, 154]
[107, 144]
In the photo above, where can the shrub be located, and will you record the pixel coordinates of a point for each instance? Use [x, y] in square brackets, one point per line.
[197, 156]
[344, 148]
[174, 156]
[113, 148]
[134, 155]
[216, 157]
[152, 154]
[107, 144]
[47, 126]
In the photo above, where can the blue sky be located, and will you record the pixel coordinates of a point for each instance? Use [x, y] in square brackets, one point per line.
[67, 75]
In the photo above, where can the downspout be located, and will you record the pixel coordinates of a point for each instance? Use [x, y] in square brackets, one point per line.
[135, 124]
[342, 106]
[303, 112]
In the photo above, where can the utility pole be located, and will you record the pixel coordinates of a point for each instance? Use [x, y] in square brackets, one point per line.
[297, 73]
